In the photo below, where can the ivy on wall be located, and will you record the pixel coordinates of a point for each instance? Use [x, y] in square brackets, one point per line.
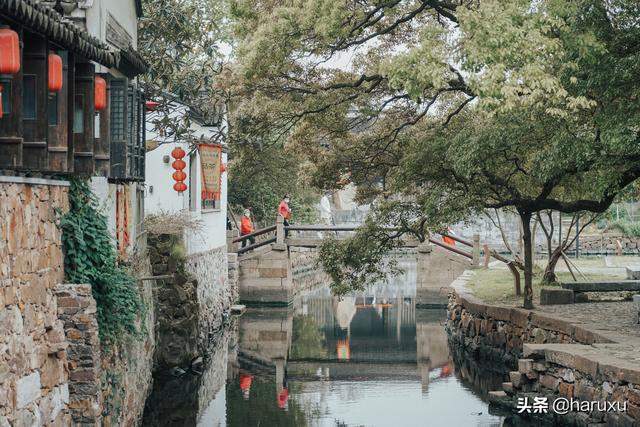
[90, 257]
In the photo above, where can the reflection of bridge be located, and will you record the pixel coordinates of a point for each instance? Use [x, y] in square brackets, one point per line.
[392, 342]
[266, 267]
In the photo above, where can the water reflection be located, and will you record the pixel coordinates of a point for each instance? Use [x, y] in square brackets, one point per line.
[368, 359]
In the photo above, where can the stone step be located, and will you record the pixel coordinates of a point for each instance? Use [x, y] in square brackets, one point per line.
[508, 388]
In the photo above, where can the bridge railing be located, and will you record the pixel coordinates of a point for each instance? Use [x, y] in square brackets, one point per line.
[278, 234]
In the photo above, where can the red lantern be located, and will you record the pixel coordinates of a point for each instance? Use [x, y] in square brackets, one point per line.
[55, 73]
[151, 105]
[100, 94]
[179, 164]
[9, 51]
[179, 176]
[178, 153]
[180, 186]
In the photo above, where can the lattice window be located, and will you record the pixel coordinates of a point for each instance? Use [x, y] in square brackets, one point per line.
[117, 105]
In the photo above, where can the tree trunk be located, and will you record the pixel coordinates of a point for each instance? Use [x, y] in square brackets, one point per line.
[550, 270]
[525, 217]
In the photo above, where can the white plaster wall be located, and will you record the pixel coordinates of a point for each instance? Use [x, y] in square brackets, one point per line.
[106, 194]
[124, 11]
[160, 197]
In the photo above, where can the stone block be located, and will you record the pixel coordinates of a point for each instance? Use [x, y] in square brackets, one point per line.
[272, 272]
[633, 272]
[552, 323]
[27, 389]
[520, 317]
[525, 365]
[586, 365]
[555, 296]
[499, 313]
[560, 357]
[11, 320]
[565, 389]
[507, 387]
[518, 379]
[549, 382]
[52, 372]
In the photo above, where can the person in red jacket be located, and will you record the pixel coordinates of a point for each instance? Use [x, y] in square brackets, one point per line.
[285, 211]
[246, 227]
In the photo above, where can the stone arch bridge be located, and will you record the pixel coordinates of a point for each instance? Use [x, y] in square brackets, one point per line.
[277, 266]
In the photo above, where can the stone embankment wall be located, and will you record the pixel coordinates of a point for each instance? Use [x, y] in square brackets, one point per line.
[581, 375]
[192, 300]
[491, 332]
[553, 357]
[33, 377]
[608, 243]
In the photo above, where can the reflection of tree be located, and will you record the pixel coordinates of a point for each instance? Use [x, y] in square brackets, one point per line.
[308, 342]
[262, 407]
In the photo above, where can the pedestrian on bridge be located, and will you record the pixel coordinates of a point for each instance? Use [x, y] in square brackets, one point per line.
[285, 211]
[246, 227]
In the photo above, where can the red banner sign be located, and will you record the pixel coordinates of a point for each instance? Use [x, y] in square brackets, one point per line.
[210, 165]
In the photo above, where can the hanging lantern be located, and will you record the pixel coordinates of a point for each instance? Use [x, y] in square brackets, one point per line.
[100, 94]
[179, 176]
[9, 51]
[178, 153]
[178, 164]
[151, 105]
[55, 72]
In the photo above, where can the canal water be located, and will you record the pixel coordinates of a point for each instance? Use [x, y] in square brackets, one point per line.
[369, 359]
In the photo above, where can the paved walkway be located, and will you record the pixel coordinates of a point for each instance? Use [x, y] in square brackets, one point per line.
[615, 317]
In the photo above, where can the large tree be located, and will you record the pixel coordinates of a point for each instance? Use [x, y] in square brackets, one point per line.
[452, 106]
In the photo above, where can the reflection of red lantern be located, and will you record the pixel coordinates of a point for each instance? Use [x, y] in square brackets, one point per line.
[179, 176]
[100, 94]
[9, 51]
[55, 72]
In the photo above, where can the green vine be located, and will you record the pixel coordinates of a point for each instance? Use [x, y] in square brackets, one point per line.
[90, 257]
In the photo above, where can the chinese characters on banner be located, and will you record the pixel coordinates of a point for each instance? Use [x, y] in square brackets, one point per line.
[210, 165]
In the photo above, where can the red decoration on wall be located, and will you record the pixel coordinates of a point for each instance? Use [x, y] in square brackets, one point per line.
[55, 72]
[9, 51]
[223, 168]
[100, 94]
[179, 176]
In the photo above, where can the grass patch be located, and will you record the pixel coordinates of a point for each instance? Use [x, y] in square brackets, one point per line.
[497, 286]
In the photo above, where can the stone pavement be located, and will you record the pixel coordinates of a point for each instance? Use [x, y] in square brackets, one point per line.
[616, 318]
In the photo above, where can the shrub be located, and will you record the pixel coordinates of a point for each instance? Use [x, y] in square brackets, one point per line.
[90, 257]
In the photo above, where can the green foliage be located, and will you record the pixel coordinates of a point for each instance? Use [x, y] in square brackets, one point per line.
[90, 257]
[307, 339]
[627, 228]
[454, 106]
[361, 259]
[182, 40]
[260, 176]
